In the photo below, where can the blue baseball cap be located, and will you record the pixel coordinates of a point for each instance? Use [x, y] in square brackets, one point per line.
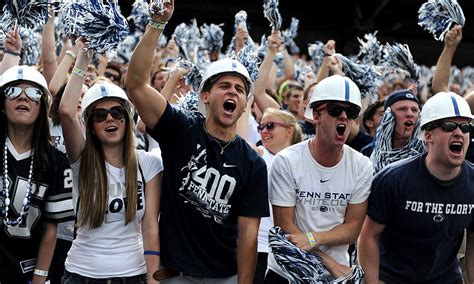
[400, 95]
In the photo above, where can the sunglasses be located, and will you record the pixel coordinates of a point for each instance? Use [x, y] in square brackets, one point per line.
[32, 93]
[449, 126]
[111, 76]
[336, 110]
[270, 126]
[100, 114]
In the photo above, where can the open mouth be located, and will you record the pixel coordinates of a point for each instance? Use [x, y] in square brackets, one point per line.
[111, 129]
[341, 128]
[456, 147]
[22, 108]
[230, 105]
[409, 123]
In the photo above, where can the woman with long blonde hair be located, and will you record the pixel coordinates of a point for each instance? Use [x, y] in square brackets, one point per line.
[116, 188]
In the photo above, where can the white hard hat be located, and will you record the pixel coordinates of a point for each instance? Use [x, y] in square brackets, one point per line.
[227, 65]
[103, 90]
[444, 105]
[24, 73]
[334, 88]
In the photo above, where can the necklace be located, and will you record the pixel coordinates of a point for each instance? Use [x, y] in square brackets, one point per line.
[219, 142]
[5, 194]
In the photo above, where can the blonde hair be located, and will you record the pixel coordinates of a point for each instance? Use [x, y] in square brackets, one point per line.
[290, 120]
[93, 182]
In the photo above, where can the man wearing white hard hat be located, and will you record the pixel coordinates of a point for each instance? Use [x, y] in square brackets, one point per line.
[214, 183]
[420, 207]
[319, 187]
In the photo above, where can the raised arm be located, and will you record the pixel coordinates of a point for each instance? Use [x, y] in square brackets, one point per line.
[72, 128]
[12, 51]
[262, 100]
[329, 51]
[60, 76]
[443, 66]
[149, 102]
[172, 83]
[48, 49]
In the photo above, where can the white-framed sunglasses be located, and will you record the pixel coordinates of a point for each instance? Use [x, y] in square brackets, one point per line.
[32, 93]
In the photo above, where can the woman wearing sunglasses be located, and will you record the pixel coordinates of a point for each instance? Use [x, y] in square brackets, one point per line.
[116, 188]
[36, 185]
[278, 130]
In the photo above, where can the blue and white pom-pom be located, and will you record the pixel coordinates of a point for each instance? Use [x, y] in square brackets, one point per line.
[139, 14]
[181, 37]
[194, 75]
[65, 18]
[298, 265]
[250, 60]
[316, 52]
[363, 75]
[212, 37]
[399, 56]
[467, 78]
[272, 14]
[3, 39]
[31, 40]
[240, 21]
[262, 49]
[126, 47]
[438, 17]
[370, 49]
[162, 41]
[102, 25]
[289, 36]
[188, 104]
[158, 6]
[302, 69]
[194, 36]
[25, 13]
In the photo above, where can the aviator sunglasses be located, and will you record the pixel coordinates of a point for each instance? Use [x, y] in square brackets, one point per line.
[100, 114]
[336, 110]
[270, 125]
[32, 93]
[449, 126]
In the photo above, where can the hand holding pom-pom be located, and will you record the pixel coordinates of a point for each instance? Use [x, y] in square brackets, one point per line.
[453, 37]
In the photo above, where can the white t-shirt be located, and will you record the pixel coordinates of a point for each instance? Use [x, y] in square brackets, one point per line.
[266, 223]
[114, 249]
[319, 194]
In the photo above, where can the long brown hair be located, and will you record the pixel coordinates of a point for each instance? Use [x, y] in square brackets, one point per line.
[93, 182]
[41, 139]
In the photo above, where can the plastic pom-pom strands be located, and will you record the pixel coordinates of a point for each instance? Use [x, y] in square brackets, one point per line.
[438, 17]
[25, 13]
[271, 12]
[101, 24]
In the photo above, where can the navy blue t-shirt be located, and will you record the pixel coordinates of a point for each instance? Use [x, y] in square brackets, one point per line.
[204, 192]
[424, 221]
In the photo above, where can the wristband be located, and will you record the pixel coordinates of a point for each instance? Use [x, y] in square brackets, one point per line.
[40, 272]
[71, 53]
[151, 252]
[6, 50]
[79, 72]
[157, 25]
[312, 241]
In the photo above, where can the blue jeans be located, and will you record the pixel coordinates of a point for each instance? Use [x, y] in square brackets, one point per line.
[73, 278]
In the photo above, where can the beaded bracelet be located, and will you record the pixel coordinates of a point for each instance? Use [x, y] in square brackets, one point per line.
[40, 272]
[151, 252]
[312, 241]
[79, 72]
[6, 50]
[157, 25]
[71, 53]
